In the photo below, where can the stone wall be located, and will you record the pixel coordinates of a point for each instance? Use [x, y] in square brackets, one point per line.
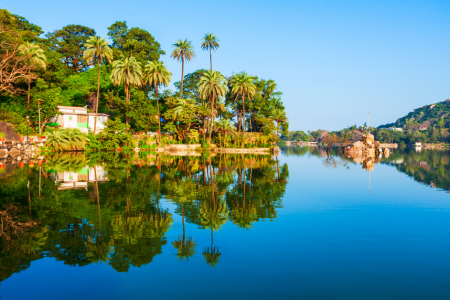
[242, 150]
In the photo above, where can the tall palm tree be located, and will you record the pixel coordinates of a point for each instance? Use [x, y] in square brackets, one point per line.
[36, 57]
[127, 71]
[183, 51]
[97, 48]
[210, 42]
[213, 216]
[243, 85]
[278, 115]
[211, 85]
[156, 73]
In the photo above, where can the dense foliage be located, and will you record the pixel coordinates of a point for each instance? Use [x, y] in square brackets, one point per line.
[74, 67]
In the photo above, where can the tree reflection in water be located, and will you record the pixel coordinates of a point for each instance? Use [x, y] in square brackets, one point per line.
[105, 207]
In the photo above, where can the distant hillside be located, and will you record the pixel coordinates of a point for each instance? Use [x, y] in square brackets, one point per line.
[426, 115]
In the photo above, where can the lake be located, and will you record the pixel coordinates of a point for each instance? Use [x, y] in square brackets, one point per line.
[298, 226]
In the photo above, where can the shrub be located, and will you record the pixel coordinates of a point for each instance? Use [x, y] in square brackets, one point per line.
[70, 139]
[115, 135]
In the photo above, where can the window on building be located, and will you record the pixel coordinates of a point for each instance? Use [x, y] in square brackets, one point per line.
[70, 118]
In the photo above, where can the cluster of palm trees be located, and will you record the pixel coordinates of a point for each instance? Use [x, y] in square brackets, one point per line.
[129, 72]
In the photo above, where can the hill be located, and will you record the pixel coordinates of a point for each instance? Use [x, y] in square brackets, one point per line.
[428, 115]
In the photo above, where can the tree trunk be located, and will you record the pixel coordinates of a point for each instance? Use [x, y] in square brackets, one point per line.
[159, 117]
[278, 169]
[28, 97]
[159, 183]
[238, 116]
[127, 101]
[243, 176]
[204, 129]
[98, 95]
[43, 124]
[182, 214]
[212, 120]
[98, 204]
[243, 124]
[210, 57]
[225, 140]
[182, 73]
[278, 126]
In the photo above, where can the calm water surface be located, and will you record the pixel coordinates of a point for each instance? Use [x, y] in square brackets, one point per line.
[296, 226]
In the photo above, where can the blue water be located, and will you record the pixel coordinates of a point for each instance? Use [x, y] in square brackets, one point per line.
[332, 238]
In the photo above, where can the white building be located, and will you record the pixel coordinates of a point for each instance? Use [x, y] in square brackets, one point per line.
[80, 179]
[79, 117]
[395, 129]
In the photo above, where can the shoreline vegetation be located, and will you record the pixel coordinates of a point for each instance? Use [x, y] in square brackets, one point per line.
[428, 125]
[122, 75]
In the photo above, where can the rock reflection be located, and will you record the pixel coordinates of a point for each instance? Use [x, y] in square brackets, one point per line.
[430, 166]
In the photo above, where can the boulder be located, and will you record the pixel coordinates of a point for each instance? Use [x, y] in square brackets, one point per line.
[358, 145]
[10, 135]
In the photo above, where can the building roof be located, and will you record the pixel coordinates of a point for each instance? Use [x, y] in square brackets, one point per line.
[72, 107]
[78, 111]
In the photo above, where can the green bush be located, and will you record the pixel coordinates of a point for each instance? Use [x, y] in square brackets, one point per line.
[70, 139]
[114, 136]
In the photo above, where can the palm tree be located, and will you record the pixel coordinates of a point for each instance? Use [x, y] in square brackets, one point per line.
[211, 85]
[97, 48]
[156, 74]
[58, 140]
[243, 85]
[213, 216]
[183, 192]
[127, 71]
[183, 51]
[227, 128]
[35, 55]
[77, 139]
[278, 115]
[210, 42]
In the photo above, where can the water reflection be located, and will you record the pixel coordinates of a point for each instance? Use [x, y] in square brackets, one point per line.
[107, 208]
[428, 166]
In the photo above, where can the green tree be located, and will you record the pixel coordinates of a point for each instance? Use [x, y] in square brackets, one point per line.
[70, 41]
[36, 57]
[157, 74]
[127, 71]
[278, 116]
[243, 85]
[49, 97]
[212, 84]
[183, 50]
[190, 85]
[210, 42]
[97, 49]
[135, 41]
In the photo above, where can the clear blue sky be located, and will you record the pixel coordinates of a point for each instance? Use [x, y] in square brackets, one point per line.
[334, 61]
